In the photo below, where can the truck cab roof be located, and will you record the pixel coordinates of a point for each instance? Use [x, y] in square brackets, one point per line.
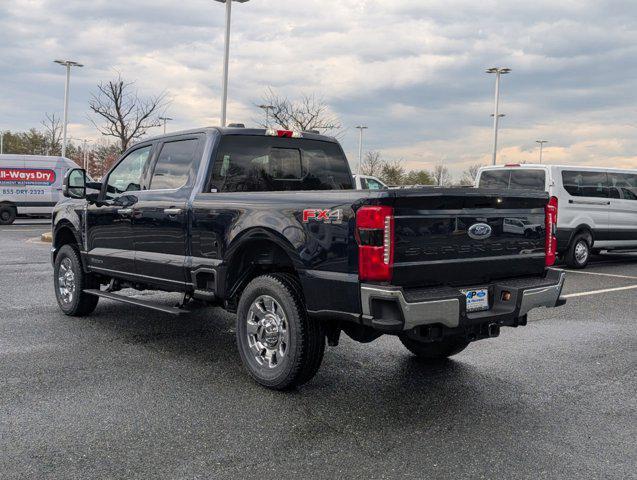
[240, 131]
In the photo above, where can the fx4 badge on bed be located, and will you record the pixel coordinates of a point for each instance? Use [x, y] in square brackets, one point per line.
[320, 215]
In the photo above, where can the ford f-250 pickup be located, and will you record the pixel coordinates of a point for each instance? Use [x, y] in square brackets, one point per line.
[267, 224]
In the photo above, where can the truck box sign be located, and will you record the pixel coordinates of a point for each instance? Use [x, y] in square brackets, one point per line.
[26, 176]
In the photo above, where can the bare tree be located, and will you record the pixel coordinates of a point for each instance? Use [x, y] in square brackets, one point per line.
[125, 114]
[310, 112]
[441, 175]
[470, 174]
[52, 134]
[372, 164]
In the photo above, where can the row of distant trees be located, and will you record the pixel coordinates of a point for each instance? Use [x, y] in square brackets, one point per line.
[123, 117]
[392, 172]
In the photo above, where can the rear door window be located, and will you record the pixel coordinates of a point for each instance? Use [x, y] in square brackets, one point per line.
[579, 183]
[509, 179]
[174, 164]
[528, 179]
[495, 179]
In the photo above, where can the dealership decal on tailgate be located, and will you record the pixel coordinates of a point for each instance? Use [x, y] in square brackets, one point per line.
[26, 176]
[477, 299]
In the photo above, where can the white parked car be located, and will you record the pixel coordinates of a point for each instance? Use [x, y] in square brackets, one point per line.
[597, 207]
[30, 184]
[367, 182]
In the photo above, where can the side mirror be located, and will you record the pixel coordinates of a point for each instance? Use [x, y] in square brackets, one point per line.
[74, 184]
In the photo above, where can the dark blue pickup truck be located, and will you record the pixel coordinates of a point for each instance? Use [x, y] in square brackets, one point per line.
[267, 224]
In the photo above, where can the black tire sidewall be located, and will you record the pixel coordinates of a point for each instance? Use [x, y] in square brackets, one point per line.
[572, 261]
[268, 285]
[4, 209]
[68, 252]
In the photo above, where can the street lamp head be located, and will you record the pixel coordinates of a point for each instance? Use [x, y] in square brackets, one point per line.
[68, 63]
[499, 70]
[167, 119]
[266, 107]
[362, 127]
[541, 141]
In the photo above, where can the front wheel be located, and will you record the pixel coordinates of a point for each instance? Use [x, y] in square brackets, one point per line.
[280, 346]
[70, 281]
[434, 350]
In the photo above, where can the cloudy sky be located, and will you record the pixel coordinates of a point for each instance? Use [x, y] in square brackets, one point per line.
[412, 70]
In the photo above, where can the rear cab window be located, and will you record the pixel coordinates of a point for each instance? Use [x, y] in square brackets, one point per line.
[513, 179]
[247, 163]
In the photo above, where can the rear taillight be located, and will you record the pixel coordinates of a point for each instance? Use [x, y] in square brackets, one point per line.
[375, 237]
[550, 221]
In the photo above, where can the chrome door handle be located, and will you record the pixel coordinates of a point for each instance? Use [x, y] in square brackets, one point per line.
[172, 211]
[124, 211]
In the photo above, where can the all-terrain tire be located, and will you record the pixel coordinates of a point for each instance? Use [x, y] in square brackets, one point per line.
[74, 302]
[305, 341]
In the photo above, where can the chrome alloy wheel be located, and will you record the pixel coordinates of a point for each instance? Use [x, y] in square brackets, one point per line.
[267, 331]
[581, 251]
[66, 281]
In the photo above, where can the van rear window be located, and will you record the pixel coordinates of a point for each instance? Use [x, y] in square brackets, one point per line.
[509, 179]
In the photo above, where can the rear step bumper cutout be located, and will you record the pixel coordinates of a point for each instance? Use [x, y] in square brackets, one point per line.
[545, 292]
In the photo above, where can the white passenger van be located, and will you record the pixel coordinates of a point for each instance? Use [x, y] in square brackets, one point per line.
[30, 184]
[597, 207]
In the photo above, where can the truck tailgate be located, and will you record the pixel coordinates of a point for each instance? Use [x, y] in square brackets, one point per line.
[467, 236]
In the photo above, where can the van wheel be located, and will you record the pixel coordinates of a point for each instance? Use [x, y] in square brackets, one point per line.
[70, 281]
[434, 350]
[7, 214]
[579, 251]
[280, 346]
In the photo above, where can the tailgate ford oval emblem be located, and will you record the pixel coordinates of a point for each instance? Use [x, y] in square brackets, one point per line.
[479, 231]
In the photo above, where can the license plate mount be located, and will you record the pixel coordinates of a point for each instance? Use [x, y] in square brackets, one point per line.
[477, 299]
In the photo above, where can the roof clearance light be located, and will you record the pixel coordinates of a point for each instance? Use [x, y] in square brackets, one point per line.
[511, 164]
[283, 133]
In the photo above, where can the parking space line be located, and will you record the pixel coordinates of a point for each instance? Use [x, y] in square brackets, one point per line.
[596, 273]
[597, 292]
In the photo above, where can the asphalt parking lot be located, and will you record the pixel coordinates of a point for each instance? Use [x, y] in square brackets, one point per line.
[129, 393]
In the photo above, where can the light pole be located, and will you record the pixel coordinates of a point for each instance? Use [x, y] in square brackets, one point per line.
[541, 142]
[267, 109]
[164, 120]
[1, 142]
[68, 64]
[360, 146]
[226, 55]
[496, 116]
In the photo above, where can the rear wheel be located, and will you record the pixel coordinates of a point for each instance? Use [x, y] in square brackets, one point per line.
[280, 346]
[70, 281]
[434, 350]
[579, 251]
[7, 214]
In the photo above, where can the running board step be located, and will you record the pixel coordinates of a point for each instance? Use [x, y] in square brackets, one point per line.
[136, 301]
